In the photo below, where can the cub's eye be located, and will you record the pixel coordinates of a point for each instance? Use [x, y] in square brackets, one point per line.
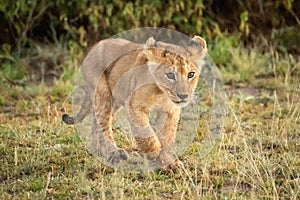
[191, 74]
[171, 75]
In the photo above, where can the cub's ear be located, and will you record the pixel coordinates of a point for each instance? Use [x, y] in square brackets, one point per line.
[197, 47]
[199, 40]
[150, 42]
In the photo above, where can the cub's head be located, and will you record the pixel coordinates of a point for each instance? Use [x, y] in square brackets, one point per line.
[176, 69]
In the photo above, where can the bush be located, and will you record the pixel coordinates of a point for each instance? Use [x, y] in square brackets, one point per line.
[25, 22]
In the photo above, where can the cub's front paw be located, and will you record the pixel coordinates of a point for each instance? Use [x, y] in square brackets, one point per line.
[117, 156]
[152, 155]
[167, 158]
[175, 165]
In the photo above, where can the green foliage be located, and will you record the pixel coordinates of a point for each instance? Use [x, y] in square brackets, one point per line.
[244, 26]
[287, 39]
[86, 21]
[55, 20]
[12, 72]
[219, 48]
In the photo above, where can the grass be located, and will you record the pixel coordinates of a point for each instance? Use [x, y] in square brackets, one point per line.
[258, 157]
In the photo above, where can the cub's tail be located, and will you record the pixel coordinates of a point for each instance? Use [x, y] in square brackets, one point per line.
[69, 120]
[83, 112]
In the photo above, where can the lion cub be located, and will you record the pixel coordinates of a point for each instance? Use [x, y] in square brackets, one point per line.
[156, 76]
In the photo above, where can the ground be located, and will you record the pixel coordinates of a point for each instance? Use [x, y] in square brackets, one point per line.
[256, 158]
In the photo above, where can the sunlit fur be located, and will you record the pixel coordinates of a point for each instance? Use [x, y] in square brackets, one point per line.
[137, 80]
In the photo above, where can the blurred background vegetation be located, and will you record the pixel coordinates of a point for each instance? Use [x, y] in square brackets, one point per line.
[36, 34]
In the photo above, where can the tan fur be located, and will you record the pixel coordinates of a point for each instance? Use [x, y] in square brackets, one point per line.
[121, 73]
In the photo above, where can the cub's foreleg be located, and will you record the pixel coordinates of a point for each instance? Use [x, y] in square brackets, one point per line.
[167, 136]
[146, 139]
[102, 141]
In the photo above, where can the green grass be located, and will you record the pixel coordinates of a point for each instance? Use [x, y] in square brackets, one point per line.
[258, 157]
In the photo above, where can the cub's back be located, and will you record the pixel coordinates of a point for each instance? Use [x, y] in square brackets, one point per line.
[102, 55]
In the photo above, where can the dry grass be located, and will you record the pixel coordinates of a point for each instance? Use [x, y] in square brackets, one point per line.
[258, 157]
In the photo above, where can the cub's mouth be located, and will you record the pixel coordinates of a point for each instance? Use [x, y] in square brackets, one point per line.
[175, 99]
[181, 103]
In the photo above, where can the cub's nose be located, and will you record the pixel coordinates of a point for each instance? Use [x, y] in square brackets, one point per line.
[182, 96]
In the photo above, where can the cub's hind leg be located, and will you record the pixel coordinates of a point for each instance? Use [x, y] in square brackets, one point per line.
[103, 108]
[102, 135]
[100, 145]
